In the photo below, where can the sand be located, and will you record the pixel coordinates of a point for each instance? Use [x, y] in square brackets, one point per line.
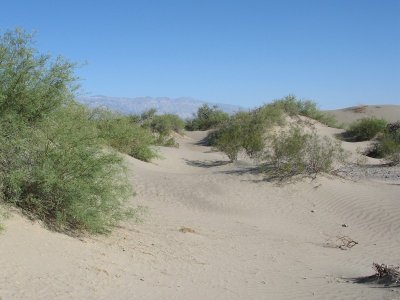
[214, 230]
[390, 113]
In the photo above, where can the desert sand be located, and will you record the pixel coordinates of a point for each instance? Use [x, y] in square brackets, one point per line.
[214, 230]
[390, 113]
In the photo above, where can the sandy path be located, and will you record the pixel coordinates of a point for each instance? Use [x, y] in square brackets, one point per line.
[252, 239]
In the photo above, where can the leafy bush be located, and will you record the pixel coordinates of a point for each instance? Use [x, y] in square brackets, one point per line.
[228, 139]
[295, 152]
[307, 108]
[164, 125]
[53, 164]
[124, 135]
[161, 126]
[245, 131]
[388, 145]
[366, 128]
[207, 117]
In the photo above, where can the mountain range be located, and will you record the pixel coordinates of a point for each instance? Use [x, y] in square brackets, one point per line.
[184, 107]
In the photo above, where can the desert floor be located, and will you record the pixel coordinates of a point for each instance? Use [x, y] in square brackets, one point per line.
[214, 230]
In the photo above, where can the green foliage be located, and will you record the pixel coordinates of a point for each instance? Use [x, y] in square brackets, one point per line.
[207, 117]
[388, 145]
[295, 152]
[245, 131]
[292, 106]
[124, 134]
[366, 128]
[228, 139]
[164, 125]
[31, 84]
[53, 165]
[58, 172]
[161, 126]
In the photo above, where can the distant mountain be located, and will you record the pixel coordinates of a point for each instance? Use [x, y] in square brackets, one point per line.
[183, 107]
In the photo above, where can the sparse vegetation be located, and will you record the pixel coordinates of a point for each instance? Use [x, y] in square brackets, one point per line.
[245, 131]
[388, 145]
[161, 126]
[124, 135]
[296, 152]
[53, 163]
[366, 128]
[207, 117]
[292, 106]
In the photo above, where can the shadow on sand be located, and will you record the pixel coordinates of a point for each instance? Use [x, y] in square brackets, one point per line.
[207, 163]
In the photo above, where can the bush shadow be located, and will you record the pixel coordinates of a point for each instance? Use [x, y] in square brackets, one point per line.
[206, 164]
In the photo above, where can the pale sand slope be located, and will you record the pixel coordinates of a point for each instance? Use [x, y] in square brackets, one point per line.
[252, 240]
[390, 113]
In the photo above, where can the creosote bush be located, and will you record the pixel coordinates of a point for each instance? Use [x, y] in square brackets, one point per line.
[53, 163]
[295, 152]
[366, 128]
[207, 117]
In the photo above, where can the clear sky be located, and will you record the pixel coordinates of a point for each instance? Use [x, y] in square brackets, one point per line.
[336, 52]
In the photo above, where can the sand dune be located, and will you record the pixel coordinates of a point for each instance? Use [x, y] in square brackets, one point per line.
[391, 113]
[214, 231]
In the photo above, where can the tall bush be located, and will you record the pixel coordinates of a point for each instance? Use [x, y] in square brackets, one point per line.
[53, 164]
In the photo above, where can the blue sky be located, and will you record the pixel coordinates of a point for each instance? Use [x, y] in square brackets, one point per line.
[336, 52]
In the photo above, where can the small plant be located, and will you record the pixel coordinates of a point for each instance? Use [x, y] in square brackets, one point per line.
[366, 128]
[386, 275]
[295, 152]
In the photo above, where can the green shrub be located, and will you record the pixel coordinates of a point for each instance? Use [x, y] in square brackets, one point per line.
[288, 104]
[207, 117]
[228, 139]
[245, 131]
[124, 135]
[161, 126]
[53, 164]
[58, 172]
[295, 152]
[388, 145]
[164, 125]
[292, 106]
[366, 128]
